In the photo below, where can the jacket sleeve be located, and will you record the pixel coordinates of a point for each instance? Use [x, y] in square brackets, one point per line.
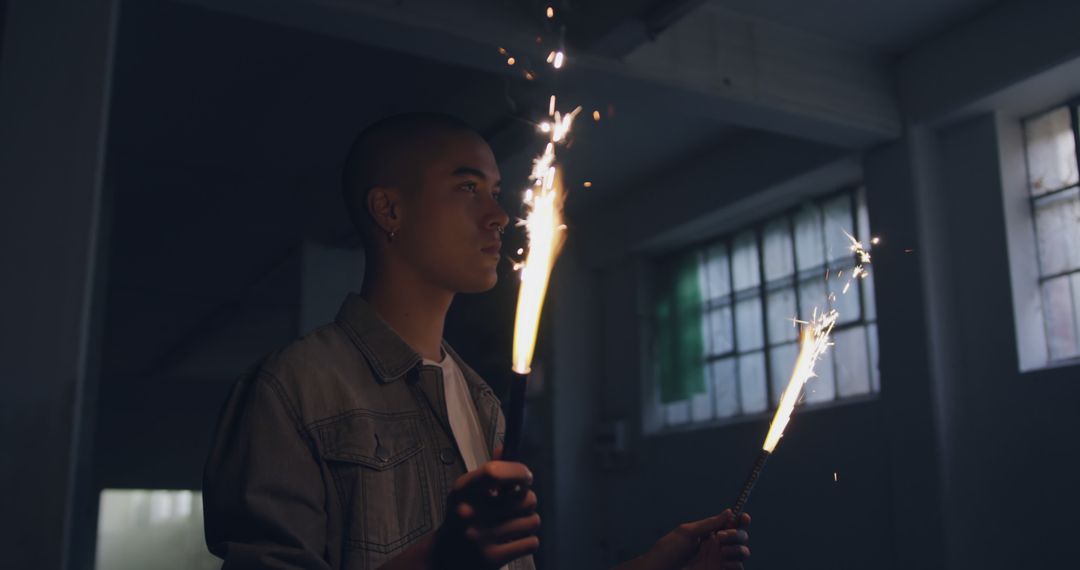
[263, 493]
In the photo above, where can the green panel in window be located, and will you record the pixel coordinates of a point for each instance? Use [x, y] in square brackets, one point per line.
[680, 343]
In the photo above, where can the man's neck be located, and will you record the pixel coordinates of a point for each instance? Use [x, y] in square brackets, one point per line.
[416, 310]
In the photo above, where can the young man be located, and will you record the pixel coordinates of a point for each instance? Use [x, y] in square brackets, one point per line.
[369, 443]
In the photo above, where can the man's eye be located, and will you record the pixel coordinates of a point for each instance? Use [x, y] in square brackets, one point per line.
[469, 186]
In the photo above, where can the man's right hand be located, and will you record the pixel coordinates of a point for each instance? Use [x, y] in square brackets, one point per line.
[490, 518]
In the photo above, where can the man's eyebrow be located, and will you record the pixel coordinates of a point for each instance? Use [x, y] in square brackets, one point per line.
[470, 171]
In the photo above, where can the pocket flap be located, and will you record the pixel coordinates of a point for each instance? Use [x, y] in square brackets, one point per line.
[377, 441]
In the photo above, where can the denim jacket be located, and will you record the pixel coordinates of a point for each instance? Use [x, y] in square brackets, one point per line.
[336, 451]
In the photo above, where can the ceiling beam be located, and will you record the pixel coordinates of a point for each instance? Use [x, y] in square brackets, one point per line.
[713, 62]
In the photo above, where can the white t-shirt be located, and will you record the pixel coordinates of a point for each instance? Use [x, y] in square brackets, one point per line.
[462, 412]
[463, 419]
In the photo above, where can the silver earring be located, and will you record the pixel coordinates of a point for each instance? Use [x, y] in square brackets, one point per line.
[392, 234]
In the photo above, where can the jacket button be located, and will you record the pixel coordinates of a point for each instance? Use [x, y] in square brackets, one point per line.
[447, 456]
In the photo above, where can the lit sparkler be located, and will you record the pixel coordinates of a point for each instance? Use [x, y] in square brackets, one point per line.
[546, 233]
[814, 341]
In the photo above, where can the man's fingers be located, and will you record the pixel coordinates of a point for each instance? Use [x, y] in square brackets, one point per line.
[703, 527]
[493, 474]
[499, 554]
[737, 553]
[512, 529]
[733, 536]
[490, 511]
[744, 520]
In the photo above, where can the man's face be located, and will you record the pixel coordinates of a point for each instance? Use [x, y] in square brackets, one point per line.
[450, 228]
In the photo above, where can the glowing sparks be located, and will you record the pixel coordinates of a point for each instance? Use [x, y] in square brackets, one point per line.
[551, 57]
[587, 184]
[557, 63]
[596, 116]
[562, 125]
[546, 234]
[550, 12]
[814, 341]
[875, 240]
[835, 476]
[510, 61]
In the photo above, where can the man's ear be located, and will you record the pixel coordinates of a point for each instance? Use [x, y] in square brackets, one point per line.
[384, 205]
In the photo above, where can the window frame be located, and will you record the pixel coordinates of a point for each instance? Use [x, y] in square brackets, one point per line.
[1072, 105]
[660, 424]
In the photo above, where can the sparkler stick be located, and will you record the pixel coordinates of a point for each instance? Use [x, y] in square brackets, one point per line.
[814, 340]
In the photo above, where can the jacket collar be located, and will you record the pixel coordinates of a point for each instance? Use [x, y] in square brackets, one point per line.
[389, 355]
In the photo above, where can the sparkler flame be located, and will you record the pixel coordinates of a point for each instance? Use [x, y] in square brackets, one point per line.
[813, 342]
[546, 233]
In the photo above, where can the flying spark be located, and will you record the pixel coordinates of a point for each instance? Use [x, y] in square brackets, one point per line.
[558, 63]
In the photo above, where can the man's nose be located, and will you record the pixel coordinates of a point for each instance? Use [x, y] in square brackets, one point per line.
[498, 218]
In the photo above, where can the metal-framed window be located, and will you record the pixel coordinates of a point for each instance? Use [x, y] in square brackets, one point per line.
[751, 284]
[1050, 142]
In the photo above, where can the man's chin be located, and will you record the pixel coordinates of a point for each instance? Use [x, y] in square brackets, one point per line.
[479, 285]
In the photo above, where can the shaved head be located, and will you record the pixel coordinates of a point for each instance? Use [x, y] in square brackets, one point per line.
[393, 153]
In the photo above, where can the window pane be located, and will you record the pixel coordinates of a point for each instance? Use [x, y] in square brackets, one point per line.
[809, 247]
[1057, 223]
[779, 259]
[677, 413]
[847, 304]
[781, 310]
[1051, 151]
[717, 270]
[812, 294]
[822, 388]
[865, 236]
[720, 338]
[781, 362]
[701, 404]
[868, 295]
[1060, 319]
[744, 261]
[872, 343]
[837, 221]
[852, 366]
[724, 380]
[752, 383]
[748, 324]
[1076, 306]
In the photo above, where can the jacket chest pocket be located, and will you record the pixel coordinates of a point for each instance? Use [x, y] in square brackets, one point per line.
[380, 478]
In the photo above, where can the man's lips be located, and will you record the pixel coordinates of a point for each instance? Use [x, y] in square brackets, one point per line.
[492, 249]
